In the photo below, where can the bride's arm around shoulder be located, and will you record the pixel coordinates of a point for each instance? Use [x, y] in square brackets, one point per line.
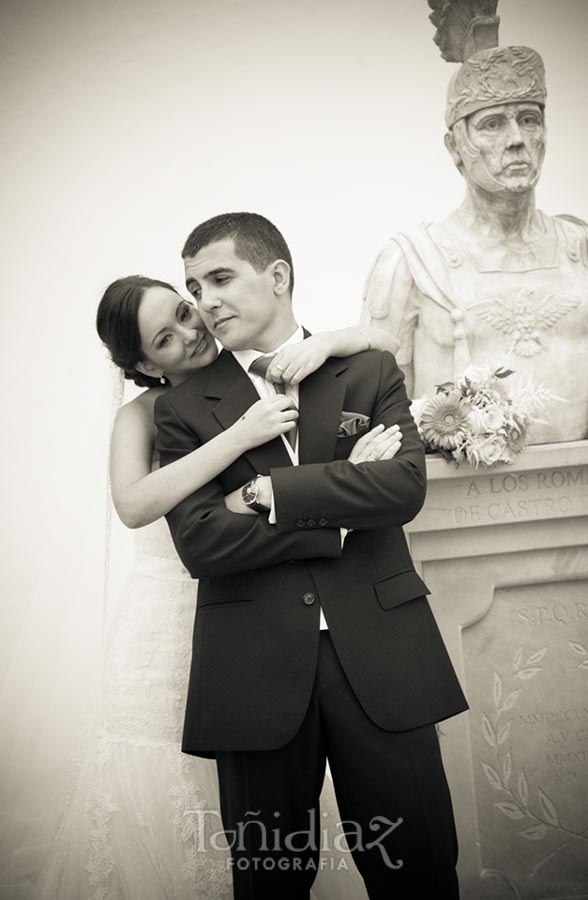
[296, 362]
[140, 494]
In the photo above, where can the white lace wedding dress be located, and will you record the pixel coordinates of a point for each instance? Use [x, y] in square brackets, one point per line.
[138, 820]
[139, 816]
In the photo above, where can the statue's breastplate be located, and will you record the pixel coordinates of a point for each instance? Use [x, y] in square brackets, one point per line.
[527, 310]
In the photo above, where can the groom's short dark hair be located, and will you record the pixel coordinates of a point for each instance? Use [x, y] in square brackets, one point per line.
[256, 239]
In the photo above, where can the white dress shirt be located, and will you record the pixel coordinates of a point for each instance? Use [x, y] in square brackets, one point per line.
[266, 389]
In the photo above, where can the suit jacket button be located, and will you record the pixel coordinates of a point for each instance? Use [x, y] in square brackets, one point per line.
[311, 523]
[323, 522]
[309, 599]
[300, 523]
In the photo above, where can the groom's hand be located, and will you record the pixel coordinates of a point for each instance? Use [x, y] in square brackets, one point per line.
[379, 443]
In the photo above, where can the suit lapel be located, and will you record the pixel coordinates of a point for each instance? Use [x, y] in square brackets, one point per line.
[231, 386]
[321, 401]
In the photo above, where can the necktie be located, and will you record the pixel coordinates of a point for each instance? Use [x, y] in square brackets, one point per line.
[260, 366]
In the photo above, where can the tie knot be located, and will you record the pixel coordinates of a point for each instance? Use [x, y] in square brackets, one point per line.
[260, 365]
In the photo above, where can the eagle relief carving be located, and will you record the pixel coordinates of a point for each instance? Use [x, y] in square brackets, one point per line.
[527, 319]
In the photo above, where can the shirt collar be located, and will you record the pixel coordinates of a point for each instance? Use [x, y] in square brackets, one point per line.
[246, 357]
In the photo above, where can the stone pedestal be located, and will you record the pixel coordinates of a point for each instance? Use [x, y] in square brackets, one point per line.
[504, 552]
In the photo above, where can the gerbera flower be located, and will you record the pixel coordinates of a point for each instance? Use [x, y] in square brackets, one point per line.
[444, 421]
[516, 436]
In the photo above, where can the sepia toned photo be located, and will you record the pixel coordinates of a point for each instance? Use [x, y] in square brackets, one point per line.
[295, 600]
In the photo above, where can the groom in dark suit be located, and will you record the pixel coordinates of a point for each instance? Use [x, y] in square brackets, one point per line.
[313, 637]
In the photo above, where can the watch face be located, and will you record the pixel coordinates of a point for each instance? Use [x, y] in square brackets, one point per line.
[249, 493]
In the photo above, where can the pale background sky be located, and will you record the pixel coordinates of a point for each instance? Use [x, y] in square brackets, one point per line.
[125, 123]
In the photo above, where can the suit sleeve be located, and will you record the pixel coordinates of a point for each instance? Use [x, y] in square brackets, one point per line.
[210, 539]
[363, 496]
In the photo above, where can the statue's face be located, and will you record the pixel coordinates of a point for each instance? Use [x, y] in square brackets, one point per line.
[501, 148]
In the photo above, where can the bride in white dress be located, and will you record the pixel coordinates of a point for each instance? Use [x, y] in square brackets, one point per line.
[139, 821]
[131, 829]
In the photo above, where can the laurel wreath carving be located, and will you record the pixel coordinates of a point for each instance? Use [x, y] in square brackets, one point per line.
[540, 811]
[581, 650]
[483, 79]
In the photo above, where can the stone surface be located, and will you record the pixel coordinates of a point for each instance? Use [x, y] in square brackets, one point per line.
[510, 594]
[526, 674]
[516, 277]
[505, 495]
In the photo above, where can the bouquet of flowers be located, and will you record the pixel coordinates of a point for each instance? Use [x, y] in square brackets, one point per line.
[477, 419]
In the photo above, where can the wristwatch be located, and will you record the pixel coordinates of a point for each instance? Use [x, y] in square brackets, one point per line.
[250, 495]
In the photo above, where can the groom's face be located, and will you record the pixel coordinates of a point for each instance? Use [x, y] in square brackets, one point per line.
[238, 304]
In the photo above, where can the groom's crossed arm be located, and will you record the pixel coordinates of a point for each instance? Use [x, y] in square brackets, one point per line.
[211, 540]
[368, 495]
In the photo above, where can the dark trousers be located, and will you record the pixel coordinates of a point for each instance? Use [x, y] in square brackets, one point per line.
[391, 791]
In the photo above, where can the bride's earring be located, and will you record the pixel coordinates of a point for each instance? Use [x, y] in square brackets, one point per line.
[162, 379]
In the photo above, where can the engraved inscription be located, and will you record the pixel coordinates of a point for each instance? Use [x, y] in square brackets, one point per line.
[488, 497]
[564, 613]
[522, 496]
[526, 671]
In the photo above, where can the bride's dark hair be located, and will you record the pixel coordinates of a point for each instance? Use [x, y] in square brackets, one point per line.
[117, 324]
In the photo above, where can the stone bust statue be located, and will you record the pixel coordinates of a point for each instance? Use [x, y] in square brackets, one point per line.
[498, 280]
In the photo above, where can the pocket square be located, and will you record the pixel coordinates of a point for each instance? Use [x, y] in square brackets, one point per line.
[352, 423]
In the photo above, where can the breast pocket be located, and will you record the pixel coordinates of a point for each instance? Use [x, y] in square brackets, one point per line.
[399, 588]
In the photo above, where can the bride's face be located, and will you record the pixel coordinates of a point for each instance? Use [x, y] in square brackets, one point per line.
[174, 340]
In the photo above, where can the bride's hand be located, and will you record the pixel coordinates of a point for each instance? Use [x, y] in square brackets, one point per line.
[297, 361]
[265, 420]
[379, 443]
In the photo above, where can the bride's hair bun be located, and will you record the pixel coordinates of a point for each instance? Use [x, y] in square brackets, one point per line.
[117, 324]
